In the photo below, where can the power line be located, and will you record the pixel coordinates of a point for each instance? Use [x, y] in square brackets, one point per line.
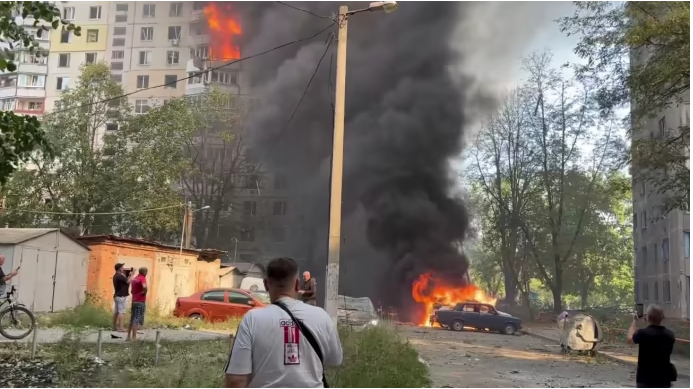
[96, 213]
[196, 73]
[304, 10]
[305, 91]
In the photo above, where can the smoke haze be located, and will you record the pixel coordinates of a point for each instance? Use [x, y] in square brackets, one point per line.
[417, 80]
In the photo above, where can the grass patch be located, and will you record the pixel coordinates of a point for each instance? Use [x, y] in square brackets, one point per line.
[372, 358]
[96, 316]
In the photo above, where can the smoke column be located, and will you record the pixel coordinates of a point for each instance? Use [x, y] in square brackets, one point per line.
[410, 96]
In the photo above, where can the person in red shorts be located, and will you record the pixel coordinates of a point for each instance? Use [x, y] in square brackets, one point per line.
[139, 299]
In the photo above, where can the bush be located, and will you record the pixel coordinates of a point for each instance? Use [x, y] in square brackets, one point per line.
[372, 358]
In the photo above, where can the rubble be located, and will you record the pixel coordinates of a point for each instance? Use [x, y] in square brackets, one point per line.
[19, 372]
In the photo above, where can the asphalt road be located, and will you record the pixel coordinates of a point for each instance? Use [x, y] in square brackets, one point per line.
[479, 359]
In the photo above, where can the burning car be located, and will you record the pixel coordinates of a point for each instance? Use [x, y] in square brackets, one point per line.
[476, 315]
[357, 312]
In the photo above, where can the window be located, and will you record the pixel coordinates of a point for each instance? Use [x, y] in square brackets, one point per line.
[65, 36]
[645, 291]
[149, 10]
[171, 81]
[228, 78]
[250, 208]
[655, 253]
[62, 83]
[35, 106]
[7, 82]
[117, 77]
[196, 29]
[119, 30]
[174, 32]
[198, 5]
[116, 66]
[176, 9]
[118, 42]
[69, 13]
[121, 18]
[666, 291]
[238, 298]
[642, 187]
[172, 57]
[122, 7]
[656, 291]
[118, 54]
[95, 12]
[636, 285]
[665, 250]
[146, 34]
[278, 234]
[33, 59]
[248, 234]
[686, 115]
[662, 126]
[194, 78]
[279, 208]
[199, 52]
[214, 295]
[142, 82]
[32, 80]
[145, 58]
[635, 220]
[280, 182]
[90, 58]
[141, 106]
[643, 220]
[111, 126]
[92, 36]
[686, 244]
[63, 60]
[644, 258]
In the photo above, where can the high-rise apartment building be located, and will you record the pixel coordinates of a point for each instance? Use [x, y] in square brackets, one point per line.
[662, 242]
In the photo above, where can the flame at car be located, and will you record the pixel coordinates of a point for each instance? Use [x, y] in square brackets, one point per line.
[428, 291]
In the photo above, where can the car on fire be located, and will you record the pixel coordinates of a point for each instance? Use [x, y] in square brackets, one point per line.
[475, 315]
[220, 304]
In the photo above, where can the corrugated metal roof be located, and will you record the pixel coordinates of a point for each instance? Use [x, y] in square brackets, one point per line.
[19, 235]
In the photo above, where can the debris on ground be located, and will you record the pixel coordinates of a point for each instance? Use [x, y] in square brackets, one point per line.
[18, 372]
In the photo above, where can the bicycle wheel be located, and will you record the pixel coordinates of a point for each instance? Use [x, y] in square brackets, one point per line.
[16, 322]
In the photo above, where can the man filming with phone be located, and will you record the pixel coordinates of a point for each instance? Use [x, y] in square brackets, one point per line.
[655, 345]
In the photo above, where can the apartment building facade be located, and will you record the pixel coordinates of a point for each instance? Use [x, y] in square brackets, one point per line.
[662, 242]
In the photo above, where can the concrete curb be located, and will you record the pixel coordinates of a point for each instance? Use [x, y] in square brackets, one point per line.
[607, 356]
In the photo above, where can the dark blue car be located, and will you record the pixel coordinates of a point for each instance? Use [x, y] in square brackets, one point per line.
[476, 315]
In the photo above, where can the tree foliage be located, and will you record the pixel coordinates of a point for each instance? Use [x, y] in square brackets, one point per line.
[21, 135]
[102, 174]
[545, 172]
[638, 56]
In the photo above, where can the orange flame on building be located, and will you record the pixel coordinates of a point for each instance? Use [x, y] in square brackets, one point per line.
[428, 291]
[224, 31]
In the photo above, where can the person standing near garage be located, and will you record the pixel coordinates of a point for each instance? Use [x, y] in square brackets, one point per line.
[309, 289]
[121, 289]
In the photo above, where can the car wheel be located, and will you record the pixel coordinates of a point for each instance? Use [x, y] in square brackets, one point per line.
[196, 316]
[457, 325]
[509, 329]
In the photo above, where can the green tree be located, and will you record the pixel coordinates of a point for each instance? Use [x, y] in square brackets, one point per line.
[21, 135]
[111, 163]
[637, 55]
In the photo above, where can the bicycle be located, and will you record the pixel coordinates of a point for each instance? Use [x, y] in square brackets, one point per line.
[12, 309]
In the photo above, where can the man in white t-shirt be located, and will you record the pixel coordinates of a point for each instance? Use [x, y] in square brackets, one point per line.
[270, 351]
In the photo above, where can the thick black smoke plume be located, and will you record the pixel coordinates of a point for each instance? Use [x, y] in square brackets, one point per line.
[405, 119]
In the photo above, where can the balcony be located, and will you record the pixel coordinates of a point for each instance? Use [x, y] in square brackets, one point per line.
[30, 107]
[31, 91]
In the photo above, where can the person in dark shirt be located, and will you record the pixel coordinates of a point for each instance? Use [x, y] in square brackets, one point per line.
[5, 277]
[121, 286]
[309, 288]
[655, 344]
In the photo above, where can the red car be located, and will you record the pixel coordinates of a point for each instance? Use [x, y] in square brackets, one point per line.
[220, 304]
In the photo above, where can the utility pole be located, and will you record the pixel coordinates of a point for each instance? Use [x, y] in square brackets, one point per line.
[335, 228]
[188, 227]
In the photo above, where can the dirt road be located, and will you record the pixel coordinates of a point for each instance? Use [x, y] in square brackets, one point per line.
[477, 359]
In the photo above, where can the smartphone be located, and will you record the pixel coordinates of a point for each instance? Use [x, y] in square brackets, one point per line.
[640, 310]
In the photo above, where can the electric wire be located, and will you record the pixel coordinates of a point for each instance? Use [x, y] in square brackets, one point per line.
[195, 74]
[293, 114]
[303, 10]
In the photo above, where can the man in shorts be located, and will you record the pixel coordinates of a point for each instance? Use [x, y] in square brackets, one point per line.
[121, 290]
[139, 300]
